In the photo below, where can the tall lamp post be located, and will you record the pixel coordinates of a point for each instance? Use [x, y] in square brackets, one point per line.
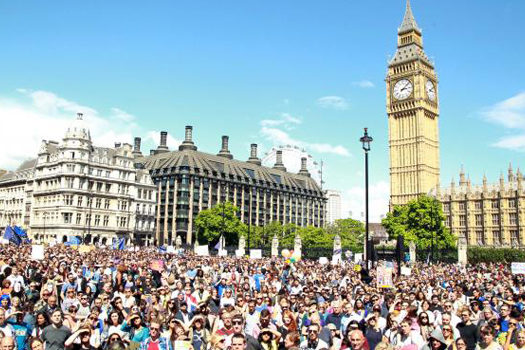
[366, 140]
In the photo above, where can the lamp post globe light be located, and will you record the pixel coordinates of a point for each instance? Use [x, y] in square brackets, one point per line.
[366, 140]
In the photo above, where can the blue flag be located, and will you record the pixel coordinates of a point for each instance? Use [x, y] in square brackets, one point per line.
[119, 244]
[21, 233]
[11, 236]
[73, 241]
[163, 249]
[122, 244]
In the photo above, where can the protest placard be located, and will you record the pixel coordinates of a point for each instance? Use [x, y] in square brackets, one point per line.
[201, 250]
[37, 252]
[517, 268]
[255, 254]
[384, 277]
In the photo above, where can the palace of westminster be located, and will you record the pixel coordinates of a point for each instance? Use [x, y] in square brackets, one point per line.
[74, 188]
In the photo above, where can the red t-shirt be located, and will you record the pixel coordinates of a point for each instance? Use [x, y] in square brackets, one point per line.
[153, 345]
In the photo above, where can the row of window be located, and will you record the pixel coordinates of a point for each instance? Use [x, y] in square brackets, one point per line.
[478, 219]
[68, 219]
[478, 205]
[497, 238]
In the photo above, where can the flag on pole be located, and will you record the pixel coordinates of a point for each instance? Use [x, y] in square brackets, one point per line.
[11, 236]
[219, 246]
[22, 234]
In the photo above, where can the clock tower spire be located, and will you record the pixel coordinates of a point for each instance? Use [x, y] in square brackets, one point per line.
[413, 111]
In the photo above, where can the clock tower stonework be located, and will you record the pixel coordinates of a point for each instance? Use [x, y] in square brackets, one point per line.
[413, 111]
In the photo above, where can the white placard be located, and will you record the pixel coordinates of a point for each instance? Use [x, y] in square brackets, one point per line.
[170, 249]
[4, 241]
[37, 252]
[255, 254]
[336, 259]
[323, 260]
[223, 252]
[517, 268]
[358, 257]
[239, 253]
[406, 271]
[201, 250]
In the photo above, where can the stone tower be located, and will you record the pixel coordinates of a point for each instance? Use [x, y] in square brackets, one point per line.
[413, 110]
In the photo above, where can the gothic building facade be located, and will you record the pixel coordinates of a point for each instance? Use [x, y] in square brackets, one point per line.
[413, 111]
[487, 214]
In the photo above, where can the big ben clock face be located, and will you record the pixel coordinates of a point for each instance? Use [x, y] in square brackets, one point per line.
[431, 90]
[402, 89]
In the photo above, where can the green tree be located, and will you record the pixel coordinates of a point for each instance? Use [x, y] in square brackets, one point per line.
[420, 221]
[210, 223]
[351, 232]
[315, 237]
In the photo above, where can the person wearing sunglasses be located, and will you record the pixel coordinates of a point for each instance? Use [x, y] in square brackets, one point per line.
[468, 330]
[312, 340]
[239, 328]
[155, 341]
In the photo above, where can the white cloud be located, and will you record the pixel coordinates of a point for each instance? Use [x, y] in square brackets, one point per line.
[37, 115]
[333, 102]
[509, 114]
[286, 120]
[280, 137]
[122, 115]
[353, 200]
[154, 137]
[365, 84]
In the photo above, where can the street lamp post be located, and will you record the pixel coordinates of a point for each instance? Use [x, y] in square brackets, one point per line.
[432, 232]
[366, 140]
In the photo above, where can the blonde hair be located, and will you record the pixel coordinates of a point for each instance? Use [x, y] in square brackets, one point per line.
[384, 346]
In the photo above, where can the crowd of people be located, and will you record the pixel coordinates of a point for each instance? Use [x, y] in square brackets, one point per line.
[150, 300]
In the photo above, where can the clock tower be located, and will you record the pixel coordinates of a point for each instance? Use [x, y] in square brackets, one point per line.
[413, 111]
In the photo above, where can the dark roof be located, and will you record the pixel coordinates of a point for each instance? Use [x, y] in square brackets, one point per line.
[199, 161]
[21, 173]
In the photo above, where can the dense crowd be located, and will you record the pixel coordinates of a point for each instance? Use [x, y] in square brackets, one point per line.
[149, 300]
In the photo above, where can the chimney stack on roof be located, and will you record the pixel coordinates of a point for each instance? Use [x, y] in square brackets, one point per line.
[117, 144]
[163, 146]
[304, 171]
[136, 146]
[279, 161]
[253, 155]
[188, 144]
[225, 152]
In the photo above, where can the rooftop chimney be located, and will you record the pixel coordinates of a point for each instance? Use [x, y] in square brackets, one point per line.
[225, 152]
[136, 146]
[117, 144]
[163, 147]
[188, 144]
[279, 161]
[304, 171]
[253, 155]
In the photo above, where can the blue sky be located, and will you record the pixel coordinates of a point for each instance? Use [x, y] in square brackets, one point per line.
[268, 72]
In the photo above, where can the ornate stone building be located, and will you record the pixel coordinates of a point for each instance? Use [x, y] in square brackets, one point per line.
[413, 110]
[487, 214]
[189, 181]
[74, 188]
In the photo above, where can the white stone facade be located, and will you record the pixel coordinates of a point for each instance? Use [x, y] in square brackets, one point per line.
[77, 189]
